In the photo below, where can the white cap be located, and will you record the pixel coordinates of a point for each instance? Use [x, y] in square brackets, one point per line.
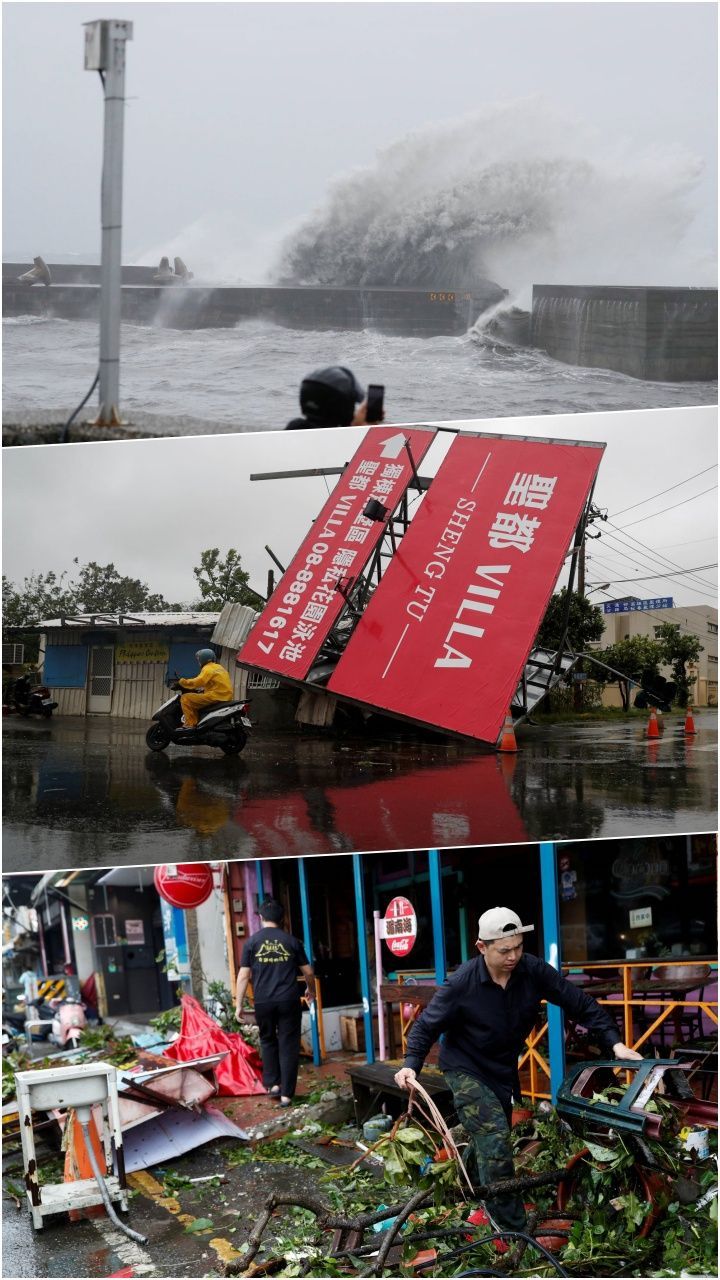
[501, 922]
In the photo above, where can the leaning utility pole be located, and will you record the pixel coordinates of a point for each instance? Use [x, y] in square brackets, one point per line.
[105, 53]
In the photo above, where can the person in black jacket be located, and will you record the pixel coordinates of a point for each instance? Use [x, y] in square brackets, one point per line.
[273, 959]
[485, 1011]
[330, 397]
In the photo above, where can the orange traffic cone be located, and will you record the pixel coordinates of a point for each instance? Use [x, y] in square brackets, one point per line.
[689, 722]
[507, 738]
[77, 1161]
[653, 729]
[508, 764]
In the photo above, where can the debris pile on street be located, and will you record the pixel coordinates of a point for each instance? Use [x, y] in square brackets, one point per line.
[619, 1180]
[601, 1200]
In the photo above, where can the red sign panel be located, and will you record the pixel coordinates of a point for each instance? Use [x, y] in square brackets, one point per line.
[306, 604]
[447, 633]
[399, 928]
[185, 884]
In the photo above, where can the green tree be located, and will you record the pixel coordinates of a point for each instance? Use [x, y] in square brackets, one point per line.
[97, 589]
[41, 596]
[222, 581]
[100, 588]
[585, 623]
[634, 658]
[678, 648]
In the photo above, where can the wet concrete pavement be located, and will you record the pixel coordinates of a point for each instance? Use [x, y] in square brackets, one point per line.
[93, 1247]
[87, 792]
[163, 1209]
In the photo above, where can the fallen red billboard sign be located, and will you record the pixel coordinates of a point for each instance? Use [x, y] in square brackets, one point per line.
[446, 635]
[307, 603]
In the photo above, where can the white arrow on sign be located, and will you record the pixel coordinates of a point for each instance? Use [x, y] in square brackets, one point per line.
[393, 446]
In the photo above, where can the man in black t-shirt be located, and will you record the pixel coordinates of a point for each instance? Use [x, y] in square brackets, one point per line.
[273, 958]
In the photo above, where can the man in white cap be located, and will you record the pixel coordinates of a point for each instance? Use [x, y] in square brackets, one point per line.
[485, 1011]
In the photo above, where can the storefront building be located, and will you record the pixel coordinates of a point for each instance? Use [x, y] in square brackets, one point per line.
[631, 920]
[629, 617]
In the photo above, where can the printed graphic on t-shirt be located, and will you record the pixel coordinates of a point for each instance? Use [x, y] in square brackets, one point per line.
[272, 951]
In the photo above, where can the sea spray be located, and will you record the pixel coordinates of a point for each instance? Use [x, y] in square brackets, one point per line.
[516, 193]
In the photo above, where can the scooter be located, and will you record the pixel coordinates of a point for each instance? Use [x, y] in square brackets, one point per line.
[30, 700]
[69, 1022]
[221, 724]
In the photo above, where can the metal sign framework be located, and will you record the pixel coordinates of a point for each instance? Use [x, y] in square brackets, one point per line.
[544, 669]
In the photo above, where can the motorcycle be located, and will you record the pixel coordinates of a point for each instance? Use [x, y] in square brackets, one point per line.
[30, 699]
[221, 724]
[69, 1022]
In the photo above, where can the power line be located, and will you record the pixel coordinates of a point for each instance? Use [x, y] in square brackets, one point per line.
[702, 585]
[641, 519]
[610, 569]
[692, 543]
[630, 539]
[648, 576]
[679, 485]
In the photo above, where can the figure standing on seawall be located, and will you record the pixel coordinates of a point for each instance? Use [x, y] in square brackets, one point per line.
[485, 1011]
[272, 959]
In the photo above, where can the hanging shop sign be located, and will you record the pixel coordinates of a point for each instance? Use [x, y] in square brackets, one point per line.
[399, 927]
[310, 596]
[135, 932]
[638, 606]
[446, 635]
[142, 651]
[184, 884]
[177, 958]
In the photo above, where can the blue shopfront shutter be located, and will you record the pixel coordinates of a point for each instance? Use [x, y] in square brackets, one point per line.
[182, 657]
[65, 666]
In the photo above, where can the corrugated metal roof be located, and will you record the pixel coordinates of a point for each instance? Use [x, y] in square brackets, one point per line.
[234, 625]
[185, 619]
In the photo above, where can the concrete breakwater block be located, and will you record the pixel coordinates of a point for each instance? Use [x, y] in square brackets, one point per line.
[75, 295]
[659, 334]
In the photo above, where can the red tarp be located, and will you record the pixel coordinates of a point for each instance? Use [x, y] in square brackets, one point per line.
[239, 1074]
[447, 632]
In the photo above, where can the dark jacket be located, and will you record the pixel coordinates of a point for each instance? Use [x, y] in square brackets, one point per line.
[485, 1025]
[302, 424]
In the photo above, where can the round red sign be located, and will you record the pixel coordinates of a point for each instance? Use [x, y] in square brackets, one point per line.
[400, 926]
[184, 884]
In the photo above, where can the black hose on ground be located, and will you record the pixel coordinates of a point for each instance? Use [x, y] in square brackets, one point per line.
[497, 1235]
[128, 1231]
[75, 412]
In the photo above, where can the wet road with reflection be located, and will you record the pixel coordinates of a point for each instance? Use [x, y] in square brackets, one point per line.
[83, 792]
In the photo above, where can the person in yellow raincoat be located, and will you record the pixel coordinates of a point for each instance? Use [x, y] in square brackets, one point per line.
[212, 685]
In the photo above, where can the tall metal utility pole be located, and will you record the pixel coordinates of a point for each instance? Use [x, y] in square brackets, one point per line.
[105, 52]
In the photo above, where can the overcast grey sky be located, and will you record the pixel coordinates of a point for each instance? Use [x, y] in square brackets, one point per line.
[152, 506]
[239, 115]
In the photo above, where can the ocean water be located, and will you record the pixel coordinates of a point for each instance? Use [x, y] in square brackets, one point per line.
[247, 378]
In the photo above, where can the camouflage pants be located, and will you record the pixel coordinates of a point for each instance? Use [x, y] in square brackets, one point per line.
[490, 1154]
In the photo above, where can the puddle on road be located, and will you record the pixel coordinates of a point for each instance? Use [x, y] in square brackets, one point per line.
[82, 793]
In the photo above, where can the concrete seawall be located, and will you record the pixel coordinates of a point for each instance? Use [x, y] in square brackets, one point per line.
[74, 295]
[659, 334]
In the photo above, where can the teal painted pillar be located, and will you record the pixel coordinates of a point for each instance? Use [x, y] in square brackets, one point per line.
[436, 906]
[463, 926]
[553, 956]
[365, 981]
[307, 939]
